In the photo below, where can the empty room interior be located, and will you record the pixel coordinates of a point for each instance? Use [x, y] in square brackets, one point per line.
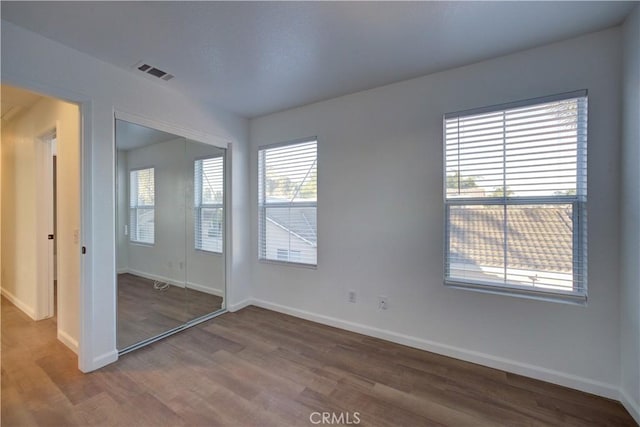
[320, 213]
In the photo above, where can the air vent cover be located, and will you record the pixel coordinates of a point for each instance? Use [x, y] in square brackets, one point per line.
[153, 71]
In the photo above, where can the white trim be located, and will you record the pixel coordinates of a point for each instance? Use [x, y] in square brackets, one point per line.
[104, 359]
[150, 276]
[508, 365]
[632, 407]
[173, 282]
[85, 298]
[242, 304]
[29, 311]
[201, 288]
[68, 340]
[228, 224]
[285, 143]
[582, 93]
[46, 278]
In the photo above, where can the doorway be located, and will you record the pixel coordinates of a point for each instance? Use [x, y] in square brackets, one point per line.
[40, 207]
[49, 191]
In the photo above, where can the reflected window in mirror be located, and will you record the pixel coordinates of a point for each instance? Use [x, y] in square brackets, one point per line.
[209, 203]
[142, 206]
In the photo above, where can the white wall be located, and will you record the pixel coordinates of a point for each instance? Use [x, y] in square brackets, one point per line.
[165, 259]
[630, 218]
[19, 203]
[380, 180]
[24, 204]
[172, 258]
[39, 64]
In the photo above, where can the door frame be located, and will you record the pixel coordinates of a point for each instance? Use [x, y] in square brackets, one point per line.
[45, 225]
[86, 356]
[197, 136]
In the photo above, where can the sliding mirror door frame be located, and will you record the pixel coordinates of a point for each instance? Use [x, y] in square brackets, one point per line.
[197, 137]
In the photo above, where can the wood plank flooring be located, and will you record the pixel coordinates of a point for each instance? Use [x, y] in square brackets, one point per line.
[260, 368]
[144, 312]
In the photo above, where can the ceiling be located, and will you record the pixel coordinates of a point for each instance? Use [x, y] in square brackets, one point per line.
[131, 135]
[254, 58]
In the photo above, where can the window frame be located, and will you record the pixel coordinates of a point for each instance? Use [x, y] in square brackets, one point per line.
[579, 213]
[262, 208]
[137, 206]
[197, 226]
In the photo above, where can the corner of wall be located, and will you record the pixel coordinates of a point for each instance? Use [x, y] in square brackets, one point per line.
[632, 407]
[100, 361]
[27, 309]
[630, 218]
[68, 340]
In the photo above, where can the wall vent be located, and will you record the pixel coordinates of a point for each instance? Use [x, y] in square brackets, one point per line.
[153, 71]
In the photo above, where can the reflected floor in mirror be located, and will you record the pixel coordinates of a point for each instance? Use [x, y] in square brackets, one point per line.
[145, 312]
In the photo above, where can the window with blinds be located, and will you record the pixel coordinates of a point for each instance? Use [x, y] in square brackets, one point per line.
[287, 202]
[142, 206]
[515, 198]
[209, 204]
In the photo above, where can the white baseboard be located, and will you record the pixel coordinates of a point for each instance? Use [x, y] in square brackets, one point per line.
[204, 289]
[104, 360]
[525, 369]
[157, 277]
[29, 311]
[239, 306]
[632, 407]
[173, 282]
[68, 340]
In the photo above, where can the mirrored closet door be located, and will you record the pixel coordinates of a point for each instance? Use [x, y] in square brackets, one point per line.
[170, 225]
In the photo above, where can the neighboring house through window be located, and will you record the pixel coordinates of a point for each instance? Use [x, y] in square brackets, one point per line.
[515, 198]
[209, 202]
[142, 206]
[287, 202]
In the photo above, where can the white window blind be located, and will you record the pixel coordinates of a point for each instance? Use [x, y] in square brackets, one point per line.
[515, 198]
[209, 204]
[142, 206]
[287, 202]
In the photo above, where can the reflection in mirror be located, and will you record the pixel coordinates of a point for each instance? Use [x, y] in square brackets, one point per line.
[205, 229]
[170, 224]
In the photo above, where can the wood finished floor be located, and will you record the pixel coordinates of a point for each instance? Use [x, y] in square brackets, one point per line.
[144, 312]
[260, 368]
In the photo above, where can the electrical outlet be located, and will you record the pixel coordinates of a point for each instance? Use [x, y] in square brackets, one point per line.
[352, 296]
[383, 304]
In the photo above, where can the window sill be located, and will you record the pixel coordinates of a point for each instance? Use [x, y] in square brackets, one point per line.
[206, 252]
[512, 291]
[288, 263]
[146, 245]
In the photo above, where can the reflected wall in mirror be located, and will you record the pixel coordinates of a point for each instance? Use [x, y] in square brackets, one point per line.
[170, 224]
